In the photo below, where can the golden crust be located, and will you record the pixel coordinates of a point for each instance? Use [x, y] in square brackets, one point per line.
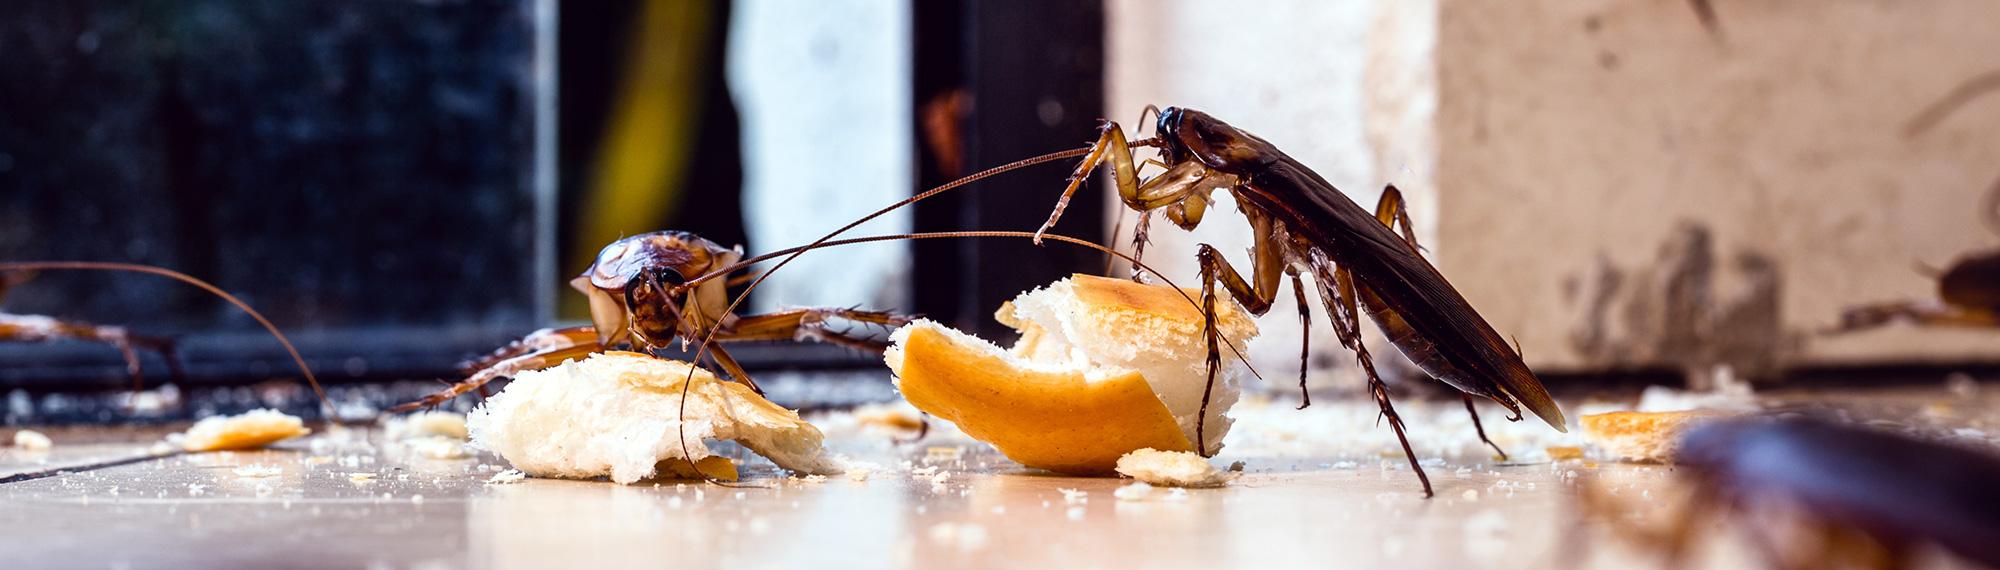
[1061, 421]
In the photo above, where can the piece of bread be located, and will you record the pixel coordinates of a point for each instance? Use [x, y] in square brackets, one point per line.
[254, 429]
[619, 414]
[1641, 436]
[1103, 367]
[1173, 469]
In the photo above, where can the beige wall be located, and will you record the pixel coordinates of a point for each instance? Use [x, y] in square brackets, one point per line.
[1580, 138]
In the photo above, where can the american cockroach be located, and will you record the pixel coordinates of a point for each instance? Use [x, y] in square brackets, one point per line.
[1303, 225]
[644, 291]
[1867, 497]
[38, 328]
[33, 328]
[1968, 291]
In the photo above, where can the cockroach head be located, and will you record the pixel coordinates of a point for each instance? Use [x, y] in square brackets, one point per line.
[1190, 134]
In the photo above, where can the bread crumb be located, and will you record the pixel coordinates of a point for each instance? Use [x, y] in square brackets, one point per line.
[1172, 469]
[1642, 436]
[32, 440]
[258, 471]
[424, 425]
[1075, 497]
[859, 473]
[437, 447]
[254, 429]
[507, 477]
[360, 477]
[1137, 491]
[1565, 452]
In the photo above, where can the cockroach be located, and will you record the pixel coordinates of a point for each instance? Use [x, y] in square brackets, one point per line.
[643, 291]
[1869, 496]
[1968, 291]
[28, 328]
[38, 328]
[1303, 225]
[1968, 296]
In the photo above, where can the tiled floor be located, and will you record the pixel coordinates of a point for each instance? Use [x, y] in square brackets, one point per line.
[1321, 489]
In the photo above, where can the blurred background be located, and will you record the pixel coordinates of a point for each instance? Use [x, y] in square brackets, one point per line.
[1632, 190]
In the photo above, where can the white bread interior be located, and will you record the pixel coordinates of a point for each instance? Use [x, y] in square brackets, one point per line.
[619, 415]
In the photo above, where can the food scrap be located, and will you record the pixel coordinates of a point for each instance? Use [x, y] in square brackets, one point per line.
[1103, 367]
[618, 414]
[1172, 469]
[254, 429]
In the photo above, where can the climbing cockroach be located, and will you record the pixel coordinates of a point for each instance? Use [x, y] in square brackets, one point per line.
[1868, 497]
[1303, 224]
[33, 328]
[644, 291]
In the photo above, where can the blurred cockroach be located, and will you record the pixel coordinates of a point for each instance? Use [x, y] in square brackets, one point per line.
[38, 328]
[1968, 296]
[644, 290]
[32, 328]
[1868, 496]
[1968, 291]
[1303, 224]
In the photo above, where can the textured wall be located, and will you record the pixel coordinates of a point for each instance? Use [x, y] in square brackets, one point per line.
[1622, 186]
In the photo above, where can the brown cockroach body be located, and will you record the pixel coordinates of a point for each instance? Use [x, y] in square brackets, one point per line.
[1866, 496]
[1968, 296]
[651, 289]
[1303, 225]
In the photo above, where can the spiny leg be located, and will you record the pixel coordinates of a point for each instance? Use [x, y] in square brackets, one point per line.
[503, 369]
[1110, 146]
[1139, 240]
[1255, 300]
[1481, 429]
[1921, 313]
[544, 339]
[1391, 212]
[809, 323]
[34, 328]
[1305, 339]
[1347, 326]
[735, 369]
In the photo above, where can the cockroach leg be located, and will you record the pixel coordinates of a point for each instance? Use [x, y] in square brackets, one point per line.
[1305, 340]
[1391, 212]
[1110, 146]
[1139, 240]
[923, 430]
[810, 323]
[1926, 313]
[1209, 332]
[1347, 326]
[503, 369]
[30, 328]
[1477, 427]
[730, 365]
[538, 341]
[1255, 300]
